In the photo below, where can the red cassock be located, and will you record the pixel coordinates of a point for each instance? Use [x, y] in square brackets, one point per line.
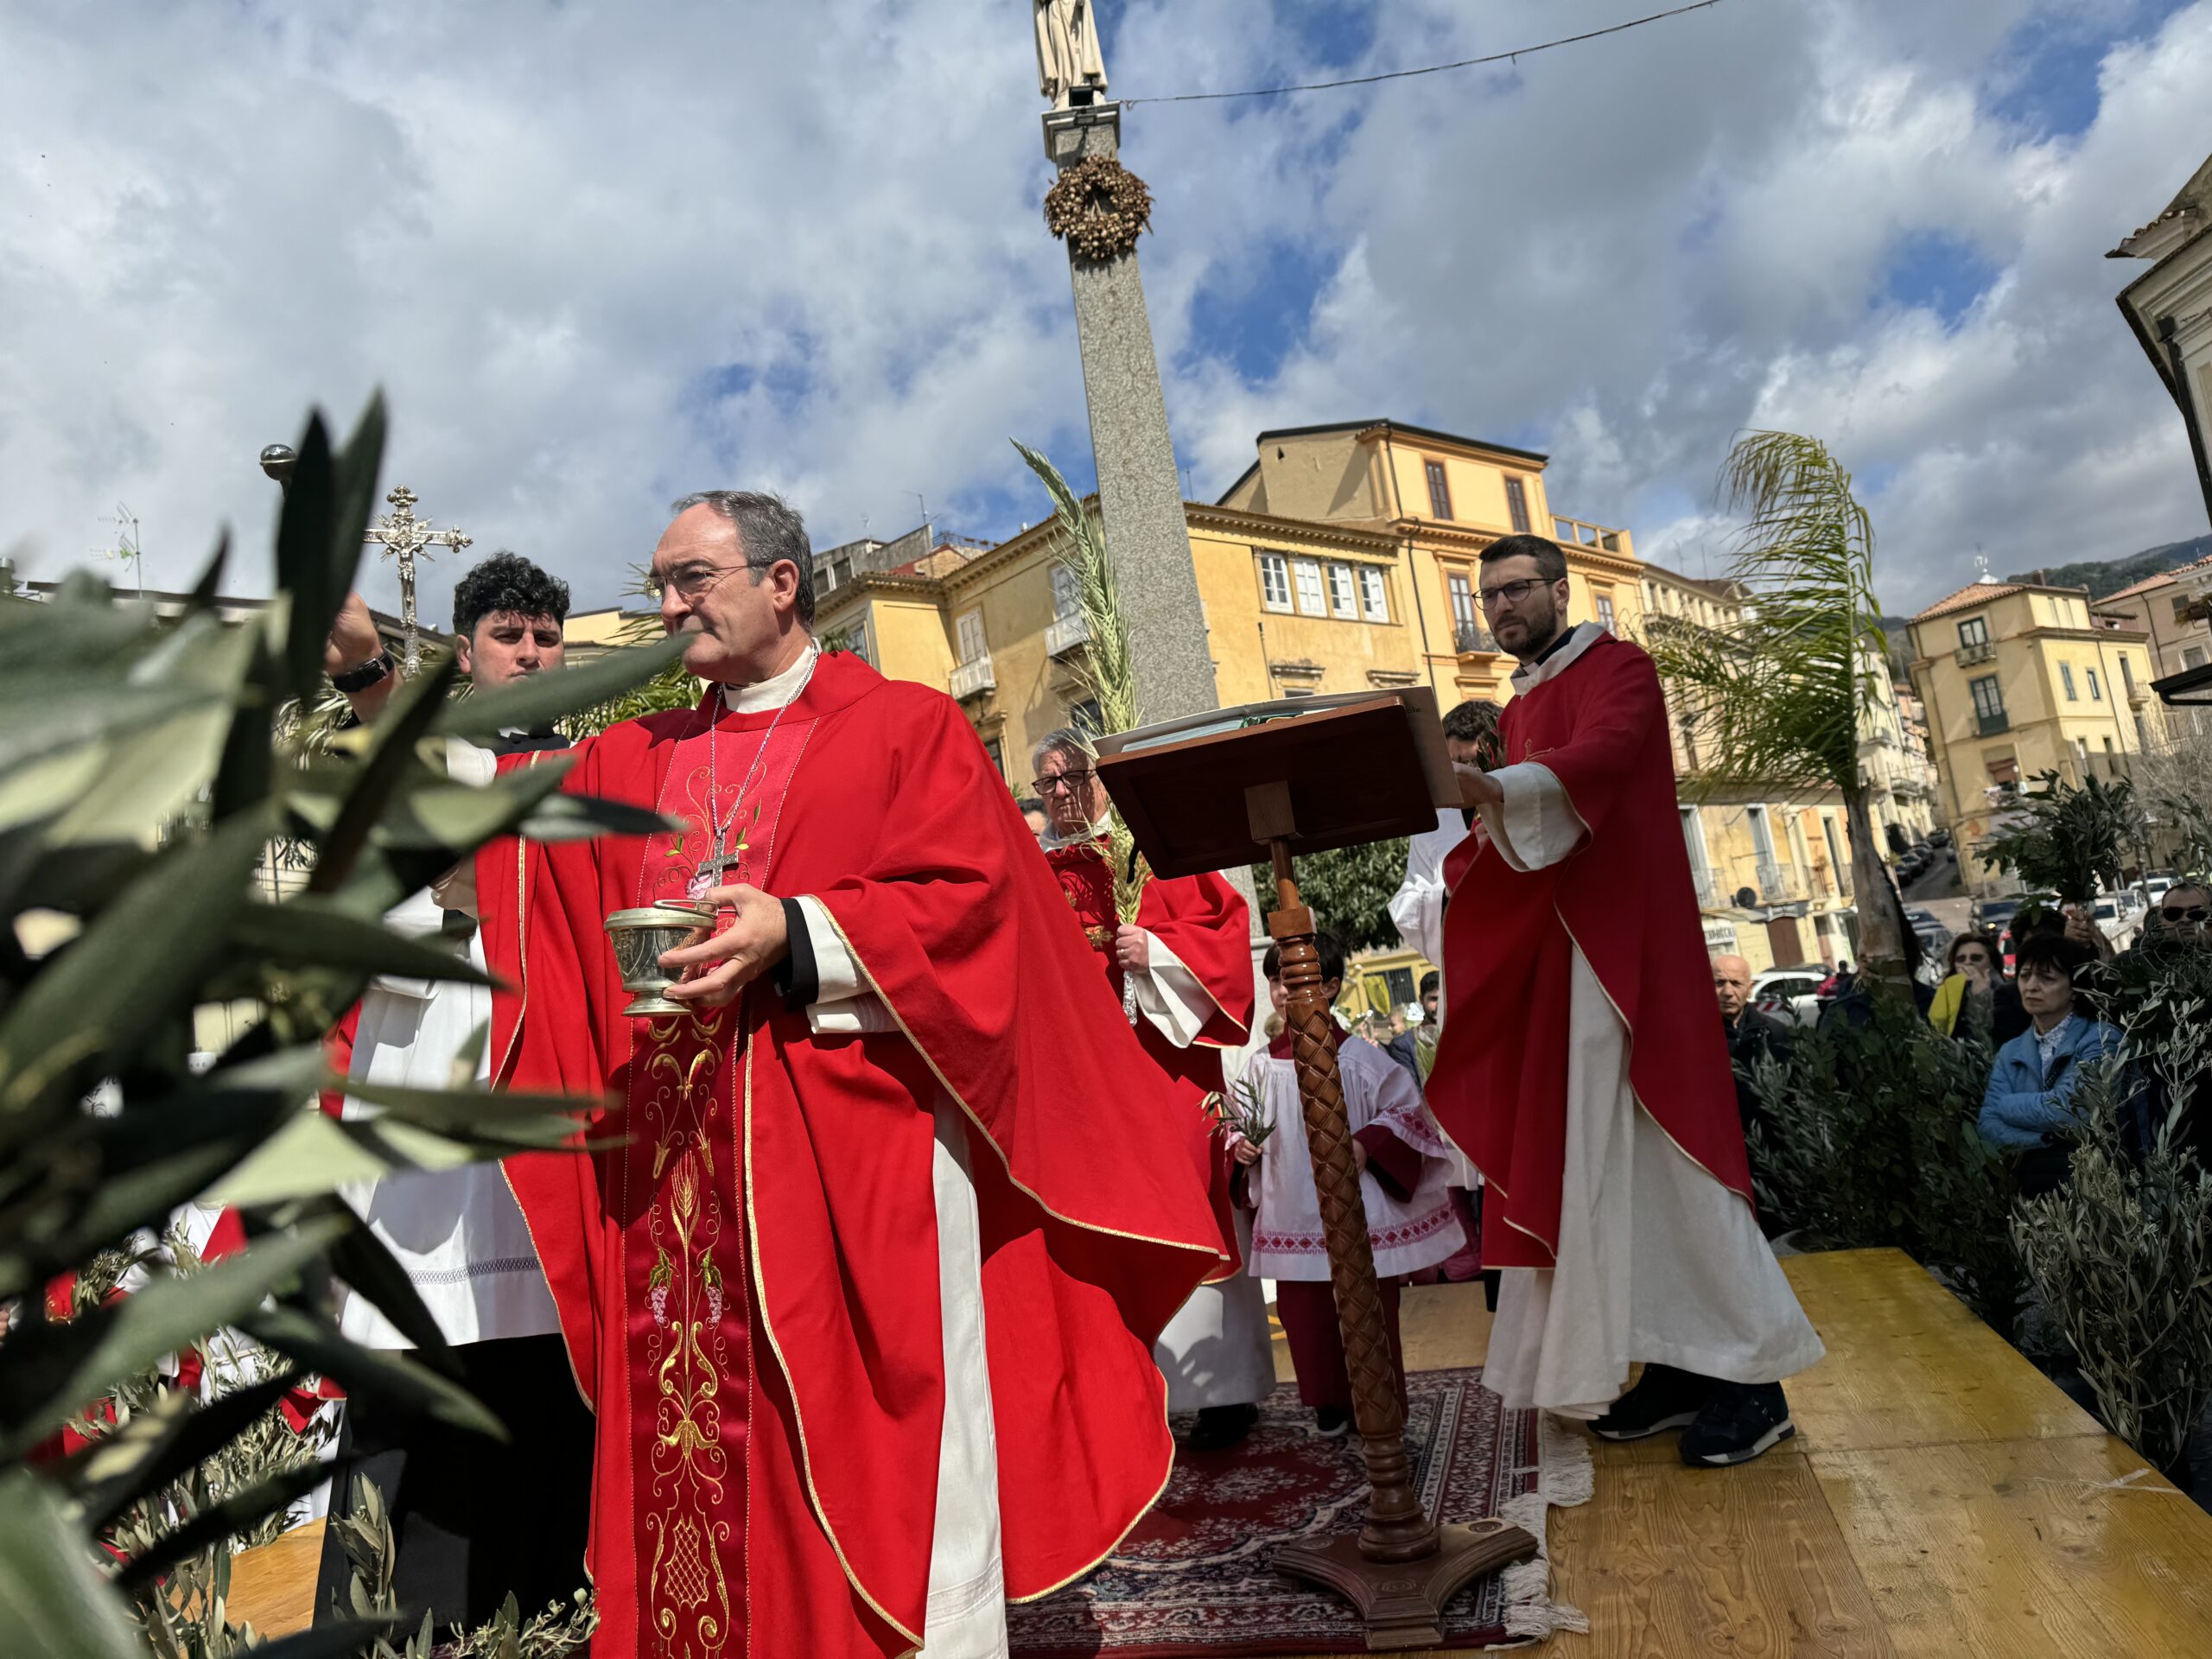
[1206, 923]
[747, 1282]
[1624, 898]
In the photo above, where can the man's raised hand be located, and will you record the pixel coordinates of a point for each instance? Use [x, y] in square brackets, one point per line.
[1477, 787]
[726, 962]
[353, 637]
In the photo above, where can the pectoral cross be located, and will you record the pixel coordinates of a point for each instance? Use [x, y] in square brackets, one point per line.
[721, 857]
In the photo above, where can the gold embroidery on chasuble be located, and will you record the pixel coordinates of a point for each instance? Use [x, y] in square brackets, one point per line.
[688, 1331]
[685, 1490]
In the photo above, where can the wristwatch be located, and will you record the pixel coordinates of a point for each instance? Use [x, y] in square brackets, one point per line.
[361, 678]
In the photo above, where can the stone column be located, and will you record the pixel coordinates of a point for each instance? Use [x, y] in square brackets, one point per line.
[1139, 493]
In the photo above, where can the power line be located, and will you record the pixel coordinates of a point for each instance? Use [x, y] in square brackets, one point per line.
[1430, 69]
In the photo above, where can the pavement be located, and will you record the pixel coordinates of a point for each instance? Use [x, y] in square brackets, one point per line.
[1941, 892]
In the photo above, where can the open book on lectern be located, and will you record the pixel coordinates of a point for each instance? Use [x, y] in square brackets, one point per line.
[1355, 766]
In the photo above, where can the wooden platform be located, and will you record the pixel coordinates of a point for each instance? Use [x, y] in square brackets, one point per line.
[1941, 1499]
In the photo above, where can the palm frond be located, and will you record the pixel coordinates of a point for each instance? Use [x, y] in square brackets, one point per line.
[1106, 669]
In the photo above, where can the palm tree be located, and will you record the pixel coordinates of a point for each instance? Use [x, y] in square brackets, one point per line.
[1783, 699]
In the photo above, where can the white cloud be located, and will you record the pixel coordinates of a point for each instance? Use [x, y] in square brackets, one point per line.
[551, 232]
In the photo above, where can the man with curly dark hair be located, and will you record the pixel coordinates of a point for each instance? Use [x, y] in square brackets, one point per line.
[507, 615]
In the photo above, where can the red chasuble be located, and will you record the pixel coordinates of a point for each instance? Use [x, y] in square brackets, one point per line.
[1624, 898]
[1206, 923]
[747, 1282]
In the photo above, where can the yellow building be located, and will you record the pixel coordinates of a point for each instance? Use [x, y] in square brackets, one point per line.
[1439, 500]
[2020, 679]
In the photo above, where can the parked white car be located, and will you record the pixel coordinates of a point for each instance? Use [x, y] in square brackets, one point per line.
[1790, 994]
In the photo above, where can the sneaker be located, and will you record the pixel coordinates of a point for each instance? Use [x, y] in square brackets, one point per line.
[1331, 1422]
[1663, 1398]
[1221, 1427]
[1741, 1422]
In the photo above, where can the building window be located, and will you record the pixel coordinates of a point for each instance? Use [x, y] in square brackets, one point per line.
[1516, 503]
[970, 631]
[2096, 691]
[2142, 732]
[1988, 697]
[1974, 631]
[1084, 716]
[1370, 591]
[2192, 656]
[2066, 679]
[1067, 591]
[1274, 582]
[1464, 614]
[2108, 748]
[997, 752]
[1342, 599]
[1307, 574]
[1605, 608]
[2127, 674]
[1440, 492]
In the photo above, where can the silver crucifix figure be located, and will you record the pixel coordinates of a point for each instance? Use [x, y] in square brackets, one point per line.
[405, 536]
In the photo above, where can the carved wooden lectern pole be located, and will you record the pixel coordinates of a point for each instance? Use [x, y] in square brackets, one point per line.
[1402, 1567]
[1246, 784]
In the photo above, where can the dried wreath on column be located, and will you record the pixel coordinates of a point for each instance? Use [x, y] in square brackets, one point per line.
[1098, 208]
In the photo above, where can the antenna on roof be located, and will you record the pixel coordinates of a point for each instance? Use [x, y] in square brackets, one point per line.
[924, 506]
[1981, 563]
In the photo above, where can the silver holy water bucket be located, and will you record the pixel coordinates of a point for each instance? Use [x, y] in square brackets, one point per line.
[639, 937]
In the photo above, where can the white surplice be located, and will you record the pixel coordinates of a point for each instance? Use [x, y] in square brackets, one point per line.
[458, 1233]
[1656, 1260]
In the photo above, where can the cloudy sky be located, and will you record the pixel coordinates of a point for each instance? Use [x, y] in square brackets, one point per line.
[599, 255]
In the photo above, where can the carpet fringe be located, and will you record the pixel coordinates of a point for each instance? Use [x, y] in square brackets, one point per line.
[1567, 1475]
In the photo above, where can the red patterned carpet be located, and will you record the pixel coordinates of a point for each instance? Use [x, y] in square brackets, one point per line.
[1193, 1578]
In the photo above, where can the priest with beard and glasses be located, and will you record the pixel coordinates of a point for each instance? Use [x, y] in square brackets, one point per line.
[1580, 1066]
[863, 1266]
[1182, 972]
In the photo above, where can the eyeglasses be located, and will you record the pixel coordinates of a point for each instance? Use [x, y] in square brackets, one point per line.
[690, 580]
[2196, 915]
[1061, 780]
[1512, 592]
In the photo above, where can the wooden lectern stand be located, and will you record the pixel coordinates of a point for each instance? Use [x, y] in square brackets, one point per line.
[1261, 784]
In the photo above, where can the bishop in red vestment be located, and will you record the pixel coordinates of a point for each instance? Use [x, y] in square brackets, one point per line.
[863, 1278]
[1580, 1068]
[1183, 973]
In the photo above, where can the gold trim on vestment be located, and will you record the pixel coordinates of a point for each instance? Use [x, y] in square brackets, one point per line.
[767, 1327]
[1006, 1164]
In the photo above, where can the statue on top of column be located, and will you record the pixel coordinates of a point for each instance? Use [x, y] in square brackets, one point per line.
[1070, 66]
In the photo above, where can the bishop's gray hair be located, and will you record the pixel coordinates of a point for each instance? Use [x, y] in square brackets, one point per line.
[769, 531]
[1064, 740]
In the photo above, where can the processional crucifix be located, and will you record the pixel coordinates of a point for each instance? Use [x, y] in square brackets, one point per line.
[405, 535]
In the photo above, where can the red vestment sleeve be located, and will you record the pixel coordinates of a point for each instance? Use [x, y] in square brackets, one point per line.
[1206, 923]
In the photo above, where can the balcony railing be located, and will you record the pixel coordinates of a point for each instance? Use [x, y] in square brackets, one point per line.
[1987, 725]
[1468, 637]
[1780, 883]
[1708, 889]
[1573, 532]
[973, 679]
[1982, 650]
[1067, 633]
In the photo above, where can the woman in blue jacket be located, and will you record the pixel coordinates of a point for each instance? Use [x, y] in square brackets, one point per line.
[2030, 1101]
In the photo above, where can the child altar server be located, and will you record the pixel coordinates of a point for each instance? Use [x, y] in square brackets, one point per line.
[1405, 1172]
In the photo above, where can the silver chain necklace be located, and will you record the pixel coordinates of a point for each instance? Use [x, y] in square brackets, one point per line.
[721, 856]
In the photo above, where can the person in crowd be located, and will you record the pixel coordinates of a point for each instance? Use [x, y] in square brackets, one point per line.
[1403, 1177]
[2179, 920]
[451, 1496]
[1034, 815]
[1405, 1048]
[2030, 1101]
[1975, 997]
[1753, 1036]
